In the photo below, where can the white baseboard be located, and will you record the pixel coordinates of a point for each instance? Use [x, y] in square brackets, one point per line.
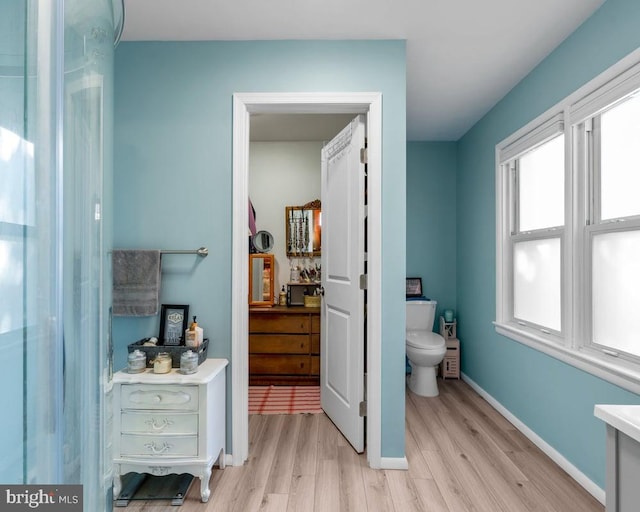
[394, 463]
[592, 488]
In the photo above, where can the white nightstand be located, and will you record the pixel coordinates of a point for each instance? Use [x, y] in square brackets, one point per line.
[170, 423]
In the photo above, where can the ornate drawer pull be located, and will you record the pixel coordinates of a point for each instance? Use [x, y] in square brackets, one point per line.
[144, 397]
[160, 425]
[158, 451]
[160, 470]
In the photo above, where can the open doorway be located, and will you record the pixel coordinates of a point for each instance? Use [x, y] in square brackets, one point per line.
[310, 351]
[285, 202]
[349, 103]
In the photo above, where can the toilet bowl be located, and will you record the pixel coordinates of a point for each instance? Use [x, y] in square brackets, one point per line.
[425, 349]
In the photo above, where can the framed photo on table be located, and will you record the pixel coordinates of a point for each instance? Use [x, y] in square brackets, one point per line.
[173, 324]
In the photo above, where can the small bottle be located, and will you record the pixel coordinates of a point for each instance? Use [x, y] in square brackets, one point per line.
[194, 335]
[282, 299]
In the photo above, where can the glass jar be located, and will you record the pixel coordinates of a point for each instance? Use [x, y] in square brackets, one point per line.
[137, 361]
[162, 363]
[189, 362]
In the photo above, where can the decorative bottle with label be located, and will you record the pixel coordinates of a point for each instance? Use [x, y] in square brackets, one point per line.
[194, 335]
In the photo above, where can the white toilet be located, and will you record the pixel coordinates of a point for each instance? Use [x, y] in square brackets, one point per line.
[425, 349]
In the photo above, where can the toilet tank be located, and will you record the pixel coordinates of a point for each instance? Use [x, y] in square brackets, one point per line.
[420, 315]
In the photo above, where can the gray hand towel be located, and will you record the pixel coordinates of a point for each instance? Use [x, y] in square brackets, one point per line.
[136, 282]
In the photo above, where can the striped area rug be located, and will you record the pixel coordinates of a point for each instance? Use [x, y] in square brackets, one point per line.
[284, 400]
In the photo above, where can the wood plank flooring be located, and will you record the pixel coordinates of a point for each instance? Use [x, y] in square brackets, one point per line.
[463, 457]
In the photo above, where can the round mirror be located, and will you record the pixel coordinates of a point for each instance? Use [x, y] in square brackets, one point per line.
[262, 241]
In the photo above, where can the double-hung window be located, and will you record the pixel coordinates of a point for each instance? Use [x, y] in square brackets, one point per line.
[568, 229]
[532, 170]
[612, 228]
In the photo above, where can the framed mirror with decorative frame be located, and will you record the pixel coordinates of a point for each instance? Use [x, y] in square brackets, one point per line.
[303, 230]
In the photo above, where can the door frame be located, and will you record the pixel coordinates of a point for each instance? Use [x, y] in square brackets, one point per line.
[245, 104]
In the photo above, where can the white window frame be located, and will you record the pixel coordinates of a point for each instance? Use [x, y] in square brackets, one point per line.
[572, 115]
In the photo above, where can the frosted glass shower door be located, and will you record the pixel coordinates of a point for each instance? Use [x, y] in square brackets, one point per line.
[55, 240]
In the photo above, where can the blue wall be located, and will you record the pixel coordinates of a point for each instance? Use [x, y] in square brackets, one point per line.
[173, 173]
[554, 399]
[431, 219]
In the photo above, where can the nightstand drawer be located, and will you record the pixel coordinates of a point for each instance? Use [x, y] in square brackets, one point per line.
[132, 445]
[141, 396]
[158, 423]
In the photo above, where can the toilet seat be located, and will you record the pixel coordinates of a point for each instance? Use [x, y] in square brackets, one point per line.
[424, 340]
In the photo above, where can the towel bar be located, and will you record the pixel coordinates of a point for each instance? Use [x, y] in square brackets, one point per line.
[202, 251]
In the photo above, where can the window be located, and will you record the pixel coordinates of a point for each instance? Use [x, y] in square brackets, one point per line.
[613, 227]
[537, 227]
[568, 229]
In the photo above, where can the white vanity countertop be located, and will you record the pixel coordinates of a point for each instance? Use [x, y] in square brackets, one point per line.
[625, 418]
[206, 371]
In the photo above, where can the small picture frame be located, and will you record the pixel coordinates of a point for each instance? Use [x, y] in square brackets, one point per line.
[173, 324]
[414, 287]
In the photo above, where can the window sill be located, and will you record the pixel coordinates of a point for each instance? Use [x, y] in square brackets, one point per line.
[619, 372]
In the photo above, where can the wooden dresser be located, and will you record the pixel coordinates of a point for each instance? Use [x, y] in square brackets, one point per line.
[284, 345]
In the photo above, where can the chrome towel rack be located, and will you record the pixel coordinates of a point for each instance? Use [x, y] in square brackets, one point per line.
[202, 251]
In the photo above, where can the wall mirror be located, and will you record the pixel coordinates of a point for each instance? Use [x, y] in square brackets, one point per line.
[303, 226]
[261, 272]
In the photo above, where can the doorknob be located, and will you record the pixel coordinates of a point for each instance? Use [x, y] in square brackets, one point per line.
[321, 290]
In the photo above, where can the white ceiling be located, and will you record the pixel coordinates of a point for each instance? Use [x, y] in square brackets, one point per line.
[463, 56]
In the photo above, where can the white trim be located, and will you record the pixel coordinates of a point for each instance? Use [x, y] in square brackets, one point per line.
[604, 96]
[399, 463]
[591, 487]
[544, 131]
[240, 286]
[373, 383]
[356, 103]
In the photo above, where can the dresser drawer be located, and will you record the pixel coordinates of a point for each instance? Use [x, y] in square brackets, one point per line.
[276, 364]
[279, 343]
[133, 445]
[158, 423]
[143, 396]
[290, 324]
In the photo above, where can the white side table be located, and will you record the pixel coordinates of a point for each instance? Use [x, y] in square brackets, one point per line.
[170, 423]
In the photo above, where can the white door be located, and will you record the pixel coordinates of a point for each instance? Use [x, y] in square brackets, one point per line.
[342, 332]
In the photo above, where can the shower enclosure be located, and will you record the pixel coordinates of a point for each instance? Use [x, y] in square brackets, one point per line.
[56, 107]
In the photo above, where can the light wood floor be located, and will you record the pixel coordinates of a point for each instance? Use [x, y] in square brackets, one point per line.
[463, 456]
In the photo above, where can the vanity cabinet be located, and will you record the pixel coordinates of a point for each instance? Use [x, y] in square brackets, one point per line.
[170, 423]
[623, 456]
[284, 346]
